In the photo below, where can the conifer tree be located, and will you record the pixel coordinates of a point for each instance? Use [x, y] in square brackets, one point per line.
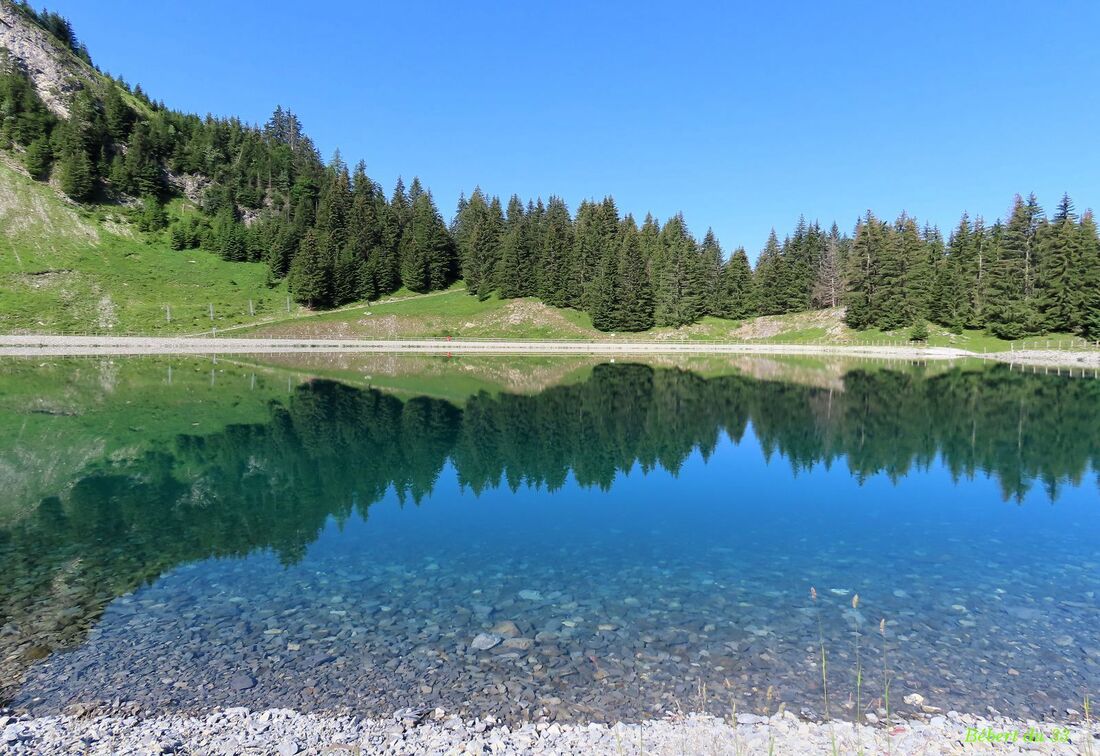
[117, 114]
[915, 254]
[1088, 278]
[76, 174]
[1057, 244]
[1011, 311]
[679, 287]
[635, 305]
[828, 279]
[555, 254]
[863, 272]
[593, 242]
[309, 274]
[955, 278]
[738, 291]
[38, 158]
[604, 296]
[771, 278]
[710, 261]
[428, 258]
[515, 273]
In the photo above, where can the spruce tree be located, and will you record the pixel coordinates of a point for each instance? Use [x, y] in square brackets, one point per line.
[955, 279]
[309, 276]
[428, 259]
[1088, 278]
[918, 252]
[37, 159]
[710, 261]
[1011, 311]
[515, 273]
[1057, 243]
[737, 290]
[679, 289]
[771, 278]
[862, 293]
[604, 303]
[76, 174]
[828, 283]
[635, 305]
[555, 254]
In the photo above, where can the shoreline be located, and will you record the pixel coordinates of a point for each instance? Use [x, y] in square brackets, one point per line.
[287, 732]
[50, 345]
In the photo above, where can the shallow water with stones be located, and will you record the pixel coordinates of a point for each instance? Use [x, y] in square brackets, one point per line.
[640, 542]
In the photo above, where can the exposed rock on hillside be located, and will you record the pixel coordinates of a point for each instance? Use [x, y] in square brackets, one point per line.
[55, 71]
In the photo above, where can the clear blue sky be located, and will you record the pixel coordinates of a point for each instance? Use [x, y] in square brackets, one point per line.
[743, 116]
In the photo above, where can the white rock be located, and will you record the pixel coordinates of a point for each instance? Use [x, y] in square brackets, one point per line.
[485, 641]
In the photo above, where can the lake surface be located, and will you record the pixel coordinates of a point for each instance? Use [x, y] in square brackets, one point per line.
[620, 541]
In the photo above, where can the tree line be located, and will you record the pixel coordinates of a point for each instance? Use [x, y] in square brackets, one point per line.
[262, 193]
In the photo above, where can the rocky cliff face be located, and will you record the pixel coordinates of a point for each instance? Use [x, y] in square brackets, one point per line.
[55, 71]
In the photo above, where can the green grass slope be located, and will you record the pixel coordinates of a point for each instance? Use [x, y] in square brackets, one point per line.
[66, 268]
[454, 313]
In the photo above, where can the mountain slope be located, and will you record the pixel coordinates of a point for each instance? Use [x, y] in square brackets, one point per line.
[73, 267]
[67, 268]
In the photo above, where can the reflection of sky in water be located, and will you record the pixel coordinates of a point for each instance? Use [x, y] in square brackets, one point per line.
[704, 575]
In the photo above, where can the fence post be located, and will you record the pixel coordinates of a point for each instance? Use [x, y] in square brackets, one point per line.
[211, 311]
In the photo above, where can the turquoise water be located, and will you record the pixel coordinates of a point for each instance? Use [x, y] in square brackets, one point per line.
[639, 541]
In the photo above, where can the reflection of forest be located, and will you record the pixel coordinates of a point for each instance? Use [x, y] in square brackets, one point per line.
[335, 447]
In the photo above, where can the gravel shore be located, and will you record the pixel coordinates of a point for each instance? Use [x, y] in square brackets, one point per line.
[35, 345]
[285, 732]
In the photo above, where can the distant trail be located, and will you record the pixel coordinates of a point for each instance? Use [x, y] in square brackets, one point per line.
[43, 345]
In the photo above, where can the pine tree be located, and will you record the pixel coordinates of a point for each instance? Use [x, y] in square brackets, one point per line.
[593, 241]
[679, 288]
[771, 278]
[955, 279]
[76, 175]
[555, 254]
[635, 306]
[117, 114]
[801, 255]
[334, 209]
[902, 243]
[1088, 278]
[428, 259]
[1057, 244]
[862, 293]
[828, 283]
[1011, 311]
[737, 290]
[604, 303]
[918, 252]
[479, 226]
[365, 234]
[710, 261]
[515, 273]
[309, 276]
[38, 158]
[152, 217]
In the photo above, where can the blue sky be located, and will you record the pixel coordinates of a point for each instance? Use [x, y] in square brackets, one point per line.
[743, 116]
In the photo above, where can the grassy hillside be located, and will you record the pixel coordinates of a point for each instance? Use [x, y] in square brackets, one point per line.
[70, 268]
[454, 313]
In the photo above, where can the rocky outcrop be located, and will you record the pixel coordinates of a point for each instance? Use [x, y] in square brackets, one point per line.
[55, 71]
